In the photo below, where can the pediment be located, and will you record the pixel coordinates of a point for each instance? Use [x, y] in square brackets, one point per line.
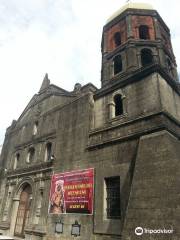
[37, 100]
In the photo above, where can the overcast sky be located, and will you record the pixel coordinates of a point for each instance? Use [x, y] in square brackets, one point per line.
[60, 37]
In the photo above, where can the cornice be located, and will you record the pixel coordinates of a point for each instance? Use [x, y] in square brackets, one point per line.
[137, 12]
[29, 170]
[153, 122]
[120, 81]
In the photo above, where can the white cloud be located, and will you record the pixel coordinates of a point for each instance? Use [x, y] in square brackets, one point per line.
[61, 37]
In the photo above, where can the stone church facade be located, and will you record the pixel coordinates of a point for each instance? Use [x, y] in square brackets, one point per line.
[128, 131]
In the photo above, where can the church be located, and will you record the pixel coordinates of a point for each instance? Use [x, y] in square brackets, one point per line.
[100, 164]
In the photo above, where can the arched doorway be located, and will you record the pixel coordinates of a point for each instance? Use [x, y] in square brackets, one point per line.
[23, 210]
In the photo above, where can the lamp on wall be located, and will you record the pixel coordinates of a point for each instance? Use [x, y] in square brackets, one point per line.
[59, 226]
[76, 228]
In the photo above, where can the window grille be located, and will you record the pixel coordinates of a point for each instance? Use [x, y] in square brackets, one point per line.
[113, 197]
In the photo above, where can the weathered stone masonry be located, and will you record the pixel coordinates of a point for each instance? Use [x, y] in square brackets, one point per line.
[129, 128]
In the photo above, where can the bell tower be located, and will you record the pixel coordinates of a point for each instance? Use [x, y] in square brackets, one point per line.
[136, 39]
[137, 113]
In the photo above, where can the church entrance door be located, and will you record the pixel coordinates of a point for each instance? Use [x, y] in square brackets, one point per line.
[23, 211]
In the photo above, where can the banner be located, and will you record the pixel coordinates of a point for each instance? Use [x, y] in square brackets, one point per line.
[72, 192]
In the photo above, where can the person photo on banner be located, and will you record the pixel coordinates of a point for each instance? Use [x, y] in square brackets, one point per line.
[57, 201]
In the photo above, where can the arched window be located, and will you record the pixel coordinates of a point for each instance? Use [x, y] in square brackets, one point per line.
[31, 155]
[16, 160]
[117, 64]
[35, 128]
[48, 152]
[144, 32]
[117, 39]
[118, 105]
[146, 57]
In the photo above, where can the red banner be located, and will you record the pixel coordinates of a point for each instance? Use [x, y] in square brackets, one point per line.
[72, 192]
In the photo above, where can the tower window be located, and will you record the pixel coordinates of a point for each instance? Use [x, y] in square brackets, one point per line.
[48, 152]
[31, 155]
[144, 32]
[118, 105]
[117, 64]
[117, 39]
[146, 57]
[113, 209]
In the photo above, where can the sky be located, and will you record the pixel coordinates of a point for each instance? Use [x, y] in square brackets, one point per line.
[61, 38]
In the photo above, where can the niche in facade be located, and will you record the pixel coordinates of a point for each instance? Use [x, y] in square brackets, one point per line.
[35, 128]
[48, 152]
[31, 155]
[16, 160]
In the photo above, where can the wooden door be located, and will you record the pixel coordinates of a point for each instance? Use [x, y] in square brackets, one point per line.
[23, 211]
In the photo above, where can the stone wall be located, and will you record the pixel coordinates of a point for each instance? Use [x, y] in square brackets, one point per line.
[155, 196]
